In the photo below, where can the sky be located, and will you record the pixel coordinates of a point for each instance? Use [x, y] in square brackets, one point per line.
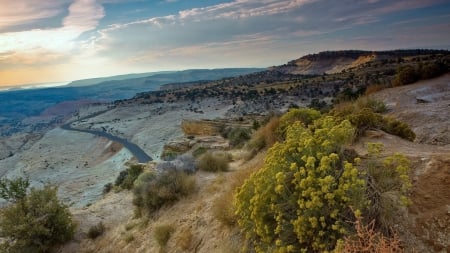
[64, 40]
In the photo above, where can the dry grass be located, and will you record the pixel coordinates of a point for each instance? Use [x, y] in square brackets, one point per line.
[128, 238]
[96, 230]
[367, 240]
[162, 234]
[223, 207]
[185, 238]
[265, 136]
[198, 127]
[374, 88]
[130, 226]
[155, 191]
[232, 244]
[214, 161]
[218, 183]
[238, 178]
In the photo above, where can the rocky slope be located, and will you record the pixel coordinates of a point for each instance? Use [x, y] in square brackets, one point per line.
[331, 62]
[425, 107]
[423, 225]
[81, 164]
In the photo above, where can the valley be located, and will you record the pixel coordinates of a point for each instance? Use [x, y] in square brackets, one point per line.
[85, 144]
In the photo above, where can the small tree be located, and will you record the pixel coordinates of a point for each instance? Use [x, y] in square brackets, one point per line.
[405, 75]
[13, 189]
[127, 177]
[35, 222]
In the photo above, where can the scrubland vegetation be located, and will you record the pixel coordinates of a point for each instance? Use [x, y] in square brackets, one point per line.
[214, 161]
[312, 193]
[308, 193]
[153, 190]
[35, 221]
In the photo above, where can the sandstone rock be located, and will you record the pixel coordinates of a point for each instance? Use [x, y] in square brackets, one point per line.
[176, 147]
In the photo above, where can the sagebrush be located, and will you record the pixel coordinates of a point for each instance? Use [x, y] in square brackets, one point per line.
[36, 223]
[156, 189]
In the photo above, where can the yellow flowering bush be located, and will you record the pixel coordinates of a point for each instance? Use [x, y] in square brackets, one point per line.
[388, 185]
[304, 115]
[300, 200]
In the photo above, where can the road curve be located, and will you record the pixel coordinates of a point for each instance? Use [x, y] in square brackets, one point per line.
[137, 152]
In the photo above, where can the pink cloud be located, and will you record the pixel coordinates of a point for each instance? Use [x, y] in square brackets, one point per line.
[84, 15]
[17, 12]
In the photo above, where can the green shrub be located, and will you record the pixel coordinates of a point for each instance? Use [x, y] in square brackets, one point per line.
[154, 190]
[304, 115]
[265, 136]
[213, 161]
[432, 69]
[365, 114]
[107, 188]
[405, 75]
[395, 127]
[36, 223]
[300, 200]
[162, 234]
[256, 125]
[96, 230]
[375, 105]
[169, 155]
[238, 136]
[127, 177]
[13, 189]
[121, 177]
[387, 178]
[365, 119]
[199, 151]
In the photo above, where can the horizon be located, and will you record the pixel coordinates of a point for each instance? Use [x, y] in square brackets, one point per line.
[83, 39]
[56, 84]
[23, 86]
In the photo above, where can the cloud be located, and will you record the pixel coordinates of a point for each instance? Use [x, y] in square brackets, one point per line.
[27, 47]
[387, 6]
[232, 33]
[243, 51]
[34, 57]
[212, 29]
[18, 12]
[210, 24]
[242, 9]
[84, 15]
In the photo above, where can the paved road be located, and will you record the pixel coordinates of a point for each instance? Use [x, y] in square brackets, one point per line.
[137, 152]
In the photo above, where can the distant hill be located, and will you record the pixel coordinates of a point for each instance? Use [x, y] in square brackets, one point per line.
[330, 62]
[165, 76]
[321, 79]
[91, 81]
[16, 105]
